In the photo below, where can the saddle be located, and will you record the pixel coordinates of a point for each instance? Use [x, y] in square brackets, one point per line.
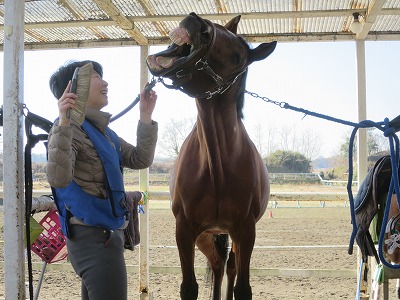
[369, 202]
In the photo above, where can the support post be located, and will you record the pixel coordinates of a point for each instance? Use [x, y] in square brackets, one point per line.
[14, 279]
[362, 112]
[144, 292]
[362, 134]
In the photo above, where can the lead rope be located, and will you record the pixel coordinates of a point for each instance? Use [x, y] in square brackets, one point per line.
[32, 139]
[136, 101]
[394, 186]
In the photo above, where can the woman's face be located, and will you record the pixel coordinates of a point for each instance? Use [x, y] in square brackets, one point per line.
[98, 92]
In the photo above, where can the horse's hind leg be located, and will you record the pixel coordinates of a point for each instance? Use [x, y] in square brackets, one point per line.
[214, 247]
[185, 242]
[230, 273]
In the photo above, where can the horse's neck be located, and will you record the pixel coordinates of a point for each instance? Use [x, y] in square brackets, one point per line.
[218, 127]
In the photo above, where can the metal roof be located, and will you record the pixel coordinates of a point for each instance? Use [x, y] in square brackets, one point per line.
[51, 24]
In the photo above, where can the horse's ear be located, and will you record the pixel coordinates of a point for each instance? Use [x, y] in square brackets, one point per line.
[233, 24]
[262, 51]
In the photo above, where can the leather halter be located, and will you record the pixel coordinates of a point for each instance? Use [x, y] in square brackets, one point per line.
[202, 65]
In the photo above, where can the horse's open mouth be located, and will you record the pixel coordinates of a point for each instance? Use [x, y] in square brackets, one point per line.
[183, 49]
[168, 60]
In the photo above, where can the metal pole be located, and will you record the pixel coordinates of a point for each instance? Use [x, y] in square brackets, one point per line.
[13, 149]
[362, 111]
[144, 291]
[362, 137]
[39, 285]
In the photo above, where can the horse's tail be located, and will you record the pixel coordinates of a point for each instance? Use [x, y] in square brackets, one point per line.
[221, 242]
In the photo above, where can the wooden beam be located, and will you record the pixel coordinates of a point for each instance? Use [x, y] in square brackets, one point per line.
[267, 15]
[374, 9]
[71, 7]
[150, 11]
[227, 17]
[282, 38]
[112, 11]
[221, 7]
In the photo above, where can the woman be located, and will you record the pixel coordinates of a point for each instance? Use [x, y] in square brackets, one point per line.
[84, 170]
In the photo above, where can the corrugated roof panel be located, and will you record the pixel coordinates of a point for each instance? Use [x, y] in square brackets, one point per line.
[200, 7]
[237, 6]
[263, 27]
[334, 4]
[277, 26]
[333, 24]
[280, 5]
[88, 10]
[392, 4]
[112, 32]
[254, 6]
[386, 23]
[130, 7]
[182, 7]
[45, 11]
[149, 30]
[56, 15]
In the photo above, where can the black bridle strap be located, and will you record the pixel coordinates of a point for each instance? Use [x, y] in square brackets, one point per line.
[32, 139]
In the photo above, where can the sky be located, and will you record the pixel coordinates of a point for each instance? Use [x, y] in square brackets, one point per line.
[316, 76]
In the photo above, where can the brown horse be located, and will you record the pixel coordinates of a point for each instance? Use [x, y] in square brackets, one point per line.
[220, 184]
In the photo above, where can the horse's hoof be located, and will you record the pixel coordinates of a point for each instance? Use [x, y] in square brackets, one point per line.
[244, 294]
[190, 293]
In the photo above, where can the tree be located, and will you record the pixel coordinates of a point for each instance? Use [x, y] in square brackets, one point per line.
[290, 137]
[282, 161]
[174, 135]
[376, 142]
[264, 137]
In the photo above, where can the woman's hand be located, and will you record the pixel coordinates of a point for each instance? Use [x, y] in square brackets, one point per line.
[147, 103]
[67, 101]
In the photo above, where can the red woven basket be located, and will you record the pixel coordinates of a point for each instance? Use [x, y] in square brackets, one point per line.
[51, 243]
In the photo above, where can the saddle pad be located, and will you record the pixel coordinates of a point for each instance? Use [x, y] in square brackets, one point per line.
[365, 191]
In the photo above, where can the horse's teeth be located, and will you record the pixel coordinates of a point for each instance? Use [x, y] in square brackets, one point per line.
[179, 36]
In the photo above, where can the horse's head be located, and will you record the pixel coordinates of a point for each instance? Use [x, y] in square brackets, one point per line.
[205, 58]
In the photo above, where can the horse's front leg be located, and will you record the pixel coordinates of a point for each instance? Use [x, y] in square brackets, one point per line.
[185, 241]
[244, 242]
[231, 273]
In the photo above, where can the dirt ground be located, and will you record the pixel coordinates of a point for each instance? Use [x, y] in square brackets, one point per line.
[280, 228]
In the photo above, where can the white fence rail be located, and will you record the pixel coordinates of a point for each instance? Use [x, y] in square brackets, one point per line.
[41, 202]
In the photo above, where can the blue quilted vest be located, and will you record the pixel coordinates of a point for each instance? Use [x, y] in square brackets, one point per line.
[109, 213]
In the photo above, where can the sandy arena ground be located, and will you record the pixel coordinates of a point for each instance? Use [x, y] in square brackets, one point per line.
[293, 226]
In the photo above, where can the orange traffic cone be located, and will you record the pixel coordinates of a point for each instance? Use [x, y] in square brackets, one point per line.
[270, 214]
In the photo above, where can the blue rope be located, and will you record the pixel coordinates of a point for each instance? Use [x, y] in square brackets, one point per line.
[394, 183]
[394, 186]
[390, 133]
[318, 115]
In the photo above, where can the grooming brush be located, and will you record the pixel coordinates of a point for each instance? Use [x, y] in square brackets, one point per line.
[80, 86]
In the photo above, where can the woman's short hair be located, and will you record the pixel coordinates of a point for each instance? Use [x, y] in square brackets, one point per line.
[60, 78]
